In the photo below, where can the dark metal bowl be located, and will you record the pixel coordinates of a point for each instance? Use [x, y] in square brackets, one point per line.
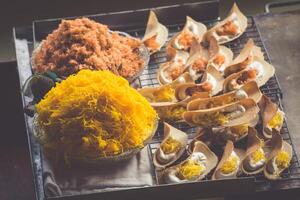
[39, 133]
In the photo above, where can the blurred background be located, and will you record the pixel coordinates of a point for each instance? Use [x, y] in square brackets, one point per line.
[21, 12]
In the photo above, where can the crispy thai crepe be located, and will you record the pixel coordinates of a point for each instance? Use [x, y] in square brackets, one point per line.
[232, 27]
[156, 34]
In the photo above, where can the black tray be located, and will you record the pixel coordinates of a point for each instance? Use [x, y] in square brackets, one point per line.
[133, 22]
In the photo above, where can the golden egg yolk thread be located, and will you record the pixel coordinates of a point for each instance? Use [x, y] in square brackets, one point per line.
[276, 120]
[171, 145]
[165, 94]
[190, 170]
[282, 159]
[95, 113]
[230, 165]
[258, 155]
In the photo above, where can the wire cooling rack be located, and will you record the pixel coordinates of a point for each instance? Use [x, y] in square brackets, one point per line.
[272, 89]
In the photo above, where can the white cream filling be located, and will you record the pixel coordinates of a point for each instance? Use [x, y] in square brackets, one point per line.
[198, 157]
[177, 45]
[235, 111]
[241, 94]
[212, 81]
[275, 167]
[268, 130]
[222, 67]
[193, 73]
[172, 177]
[180, 58]
[165, 158]
[259, 69]
[181, 79]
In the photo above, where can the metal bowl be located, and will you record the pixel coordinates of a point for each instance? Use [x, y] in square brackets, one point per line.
[39, 133]
[142, 51]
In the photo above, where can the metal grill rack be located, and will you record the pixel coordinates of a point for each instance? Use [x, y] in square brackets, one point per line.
[25, 37]
[272, 89]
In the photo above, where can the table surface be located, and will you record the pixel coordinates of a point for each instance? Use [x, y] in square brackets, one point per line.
[281, 35]
[16, 181]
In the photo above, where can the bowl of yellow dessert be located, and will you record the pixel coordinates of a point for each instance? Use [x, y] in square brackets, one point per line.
[95, 117]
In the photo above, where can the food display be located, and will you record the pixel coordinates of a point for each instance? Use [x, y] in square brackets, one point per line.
[165, 93]
[217, 121]
[230, 28]
[201, 161]
[171, 148]
[233, 114]
[279, 158]
[220, 57]
[244, 59]
[222, 97]
[172, 70]
[173, 111]
[249, 90]
[229, 165]
[272, 116]
[259, 70]
[199, 57]
[156, 34]
[183, 40]
[256, 154]
[85, 44]
[237, 133]
[171, 92]
[92, 115]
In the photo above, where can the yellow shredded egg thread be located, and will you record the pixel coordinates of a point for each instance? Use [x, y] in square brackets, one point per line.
[282, 159]
[94, 113]
[230, 165]
[276, 120]
[165, 94]
[170, 114]
[215, 118]
[171, 145]
[258, 155]
[190, 170]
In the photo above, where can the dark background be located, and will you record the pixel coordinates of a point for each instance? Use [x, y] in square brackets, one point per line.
[20, 12]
